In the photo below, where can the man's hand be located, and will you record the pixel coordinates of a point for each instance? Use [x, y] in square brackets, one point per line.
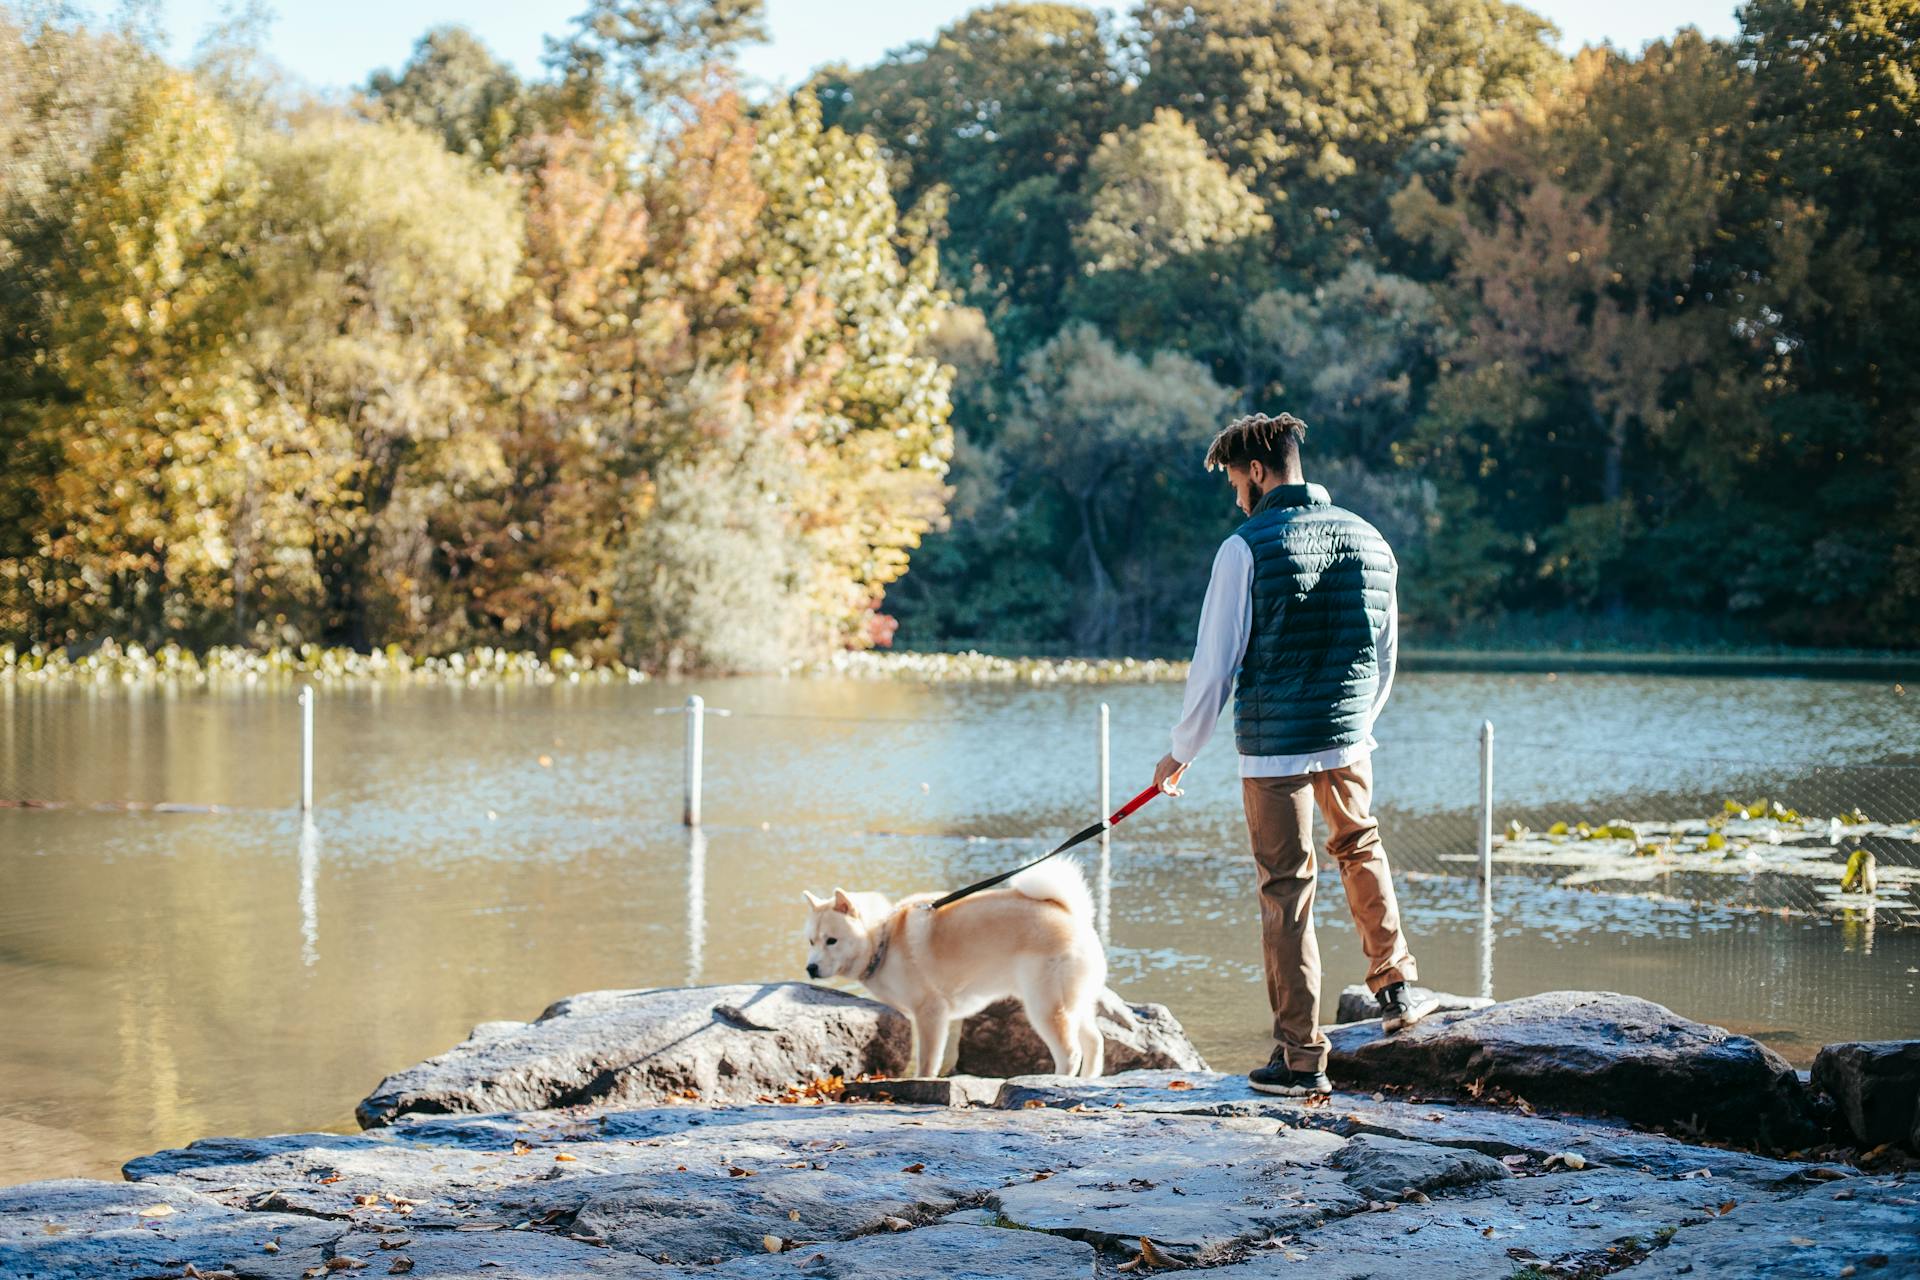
[1166, 774]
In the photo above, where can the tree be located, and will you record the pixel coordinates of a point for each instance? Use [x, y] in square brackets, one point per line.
[1156, 194]
[875, 434]
[625, 58]
[999, 113]
[453, 86]
[1105, 431]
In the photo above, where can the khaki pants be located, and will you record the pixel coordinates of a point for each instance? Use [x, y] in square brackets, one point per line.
[1280, 823]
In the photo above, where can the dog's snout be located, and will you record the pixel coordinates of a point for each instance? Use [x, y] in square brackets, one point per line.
[813, 970]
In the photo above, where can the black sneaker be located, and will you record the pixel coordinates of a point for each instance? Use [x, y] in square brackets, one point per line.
[1399, 1010]
[1276, 1077]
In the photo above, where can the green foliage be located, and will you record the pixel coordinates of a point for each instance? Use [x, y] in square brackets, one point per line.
[453, 86]
[1155, 194]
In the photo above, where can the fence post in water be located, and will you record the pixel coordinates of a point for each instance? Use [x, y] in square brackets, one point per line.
[1486, 802]
[1105, 902]
[696, 735]
[306, 749]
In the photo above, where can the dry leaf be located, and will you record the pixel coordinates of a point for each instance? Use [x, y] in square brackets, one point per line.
[366, 1199]
[271, 1246]
[772, 1244]
[1156, 1260]
[344, 1263]
[561, 1155]
[1179, 1084]
[400, 1243]
[1726, 1207]
[915, 1167]
[401, 1266]
[1043, 1175]
[156, 1211]
[735, 1171]
[793, 1215]
[1514, 1162]
[892, 1223]
[521, 1148]
[1032, 1103]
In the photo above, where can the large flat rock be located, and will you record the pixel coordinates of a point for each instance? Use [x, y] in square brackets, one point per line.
[637, 1048]
[1357, 1004]
[999, 1041]
[1877, 1086]
[1209, 1172]
[1591, 1052]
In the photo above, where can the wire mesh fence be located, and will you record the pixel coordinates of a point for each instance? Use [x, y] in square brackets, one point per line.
[1824, 838]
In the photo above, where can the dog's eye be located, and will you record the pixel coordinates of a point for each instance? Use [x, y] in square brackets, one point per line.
[831, 941]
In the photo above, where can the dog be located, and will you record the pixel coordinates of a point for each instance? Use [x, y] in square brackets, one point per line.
[1033, 938]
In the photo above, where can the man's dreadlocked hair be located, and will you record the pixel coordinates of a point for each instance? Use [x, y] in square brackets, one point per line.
[1257, 437]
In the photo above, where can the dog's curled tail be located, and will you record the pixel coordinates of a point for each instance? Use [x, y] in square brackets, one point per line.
[1056, 880]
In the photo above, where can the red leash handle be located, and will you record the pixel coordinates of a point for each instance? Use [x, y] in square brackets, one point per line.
[1127, 810]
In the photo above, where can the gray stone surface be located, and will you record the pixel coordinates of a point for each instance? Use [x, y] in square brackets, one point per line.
[1877, 1086]
[1592, 1052]
[1382, 1168]
[1227, 1182]
[1211, 1173]
[936, 1091]
[1866, 1227]
[999, 1041]
[638, 1048]
[1357, 1004]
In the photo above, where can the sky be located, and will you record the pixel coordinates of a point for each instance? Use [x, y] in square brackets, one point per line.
[334, 44]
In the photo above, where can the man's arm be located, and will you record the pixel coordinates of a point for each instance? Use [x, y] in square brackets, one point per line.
[1226, 616]
[1386, 648]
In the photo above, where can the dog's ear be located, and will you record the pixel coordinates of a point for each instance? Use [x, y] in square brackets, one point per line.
[843, 904]
[813, 903]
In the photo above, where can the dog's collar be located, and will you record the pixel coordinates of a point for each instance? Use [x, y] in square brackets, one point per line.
[879, 955]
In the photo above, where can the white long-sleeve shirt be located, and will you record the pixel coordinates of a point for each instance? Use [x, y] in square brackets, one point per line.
[1226, 620]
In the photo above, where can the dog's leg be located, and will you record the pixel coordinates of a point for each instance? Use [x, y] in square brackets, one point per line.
[1057, 1031]
[930, 1023]
[1093, 1045]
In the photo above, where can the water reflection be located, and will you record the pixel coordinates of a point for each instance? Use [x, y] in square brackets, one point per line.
[309, 891]
[1486, 939]
[696, 903]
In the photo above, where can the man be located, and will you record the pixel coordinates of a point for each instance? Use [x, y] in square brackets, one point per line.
[1301, 609]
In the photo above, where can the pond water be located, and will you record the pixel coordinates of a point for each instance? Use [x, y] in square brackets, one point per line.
[479, 852]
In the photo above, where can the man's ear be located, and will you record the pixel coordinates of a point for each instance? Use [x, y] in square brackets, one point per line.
[1257, 472]
[844, 905]
[813, 903]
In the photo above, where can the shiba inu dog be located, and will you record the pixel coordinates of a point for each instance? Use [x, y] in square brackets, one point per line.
[1033, 938]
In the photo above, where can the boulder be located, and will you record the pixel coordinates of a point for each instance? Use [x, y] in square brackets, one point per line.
[1381, 1168]
[637, 1048]
[1357, 1003]
[999, 1041]
[1877, 1086]
[1591, 1052]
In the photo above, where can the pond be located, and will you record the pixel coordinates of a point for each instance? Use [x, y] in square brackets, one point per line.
[477, 853]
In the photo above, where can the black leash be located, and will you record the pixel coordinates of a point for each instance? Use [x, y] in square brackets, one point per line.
[1078, 837]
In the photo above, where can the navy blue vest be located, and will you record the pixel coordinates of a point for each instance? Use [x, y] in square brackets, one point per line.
[1322, 581]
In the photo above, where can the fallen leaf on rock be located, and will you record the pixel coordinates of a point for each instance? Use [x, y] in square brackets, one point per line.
[1150, 1259]
[156, 1211]
[772, 1244]
[561, 1155]
[339, 1177]
[521, 1148]
[1821, 1174]
[271, 1246]
[735, 1171]
[1032, 1103]
[1179, 1084]
[793, 1215]
[915, 1167]
[1514, 1162]
[1043, 1175]
[401, 1243]
[892, 1223]
[1569, 1159]
[401, 1266]
[366, 1199]
[1695, 1173]
[344, 1263]
[1415, 1195]
[1584, 1200]
[1726, 1207]
[1802, 1241]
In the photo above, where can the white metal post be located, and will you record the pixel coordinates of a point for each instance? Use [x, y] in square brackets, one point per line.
[1486, 802]
[306, 749]
[1106, 827]
[696, 735]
